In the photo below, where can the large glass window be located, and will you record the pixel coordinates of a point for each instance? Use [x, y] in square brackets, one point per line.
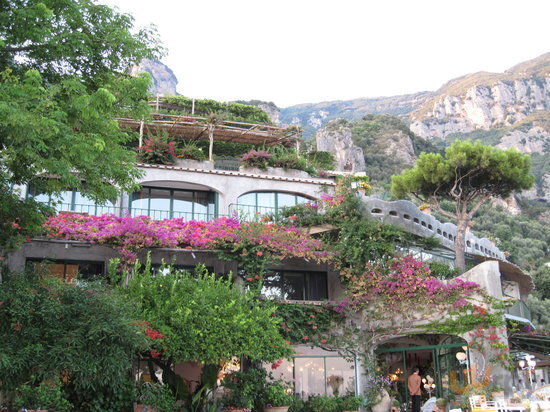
[73, 201]
[317, 375]
[159, 203]
[261, 203]
[296, 285]
[68, 270]
[328, 375]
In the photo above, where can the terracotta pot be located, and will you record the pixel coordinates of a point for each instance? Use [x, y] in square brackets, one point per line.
[276, 409]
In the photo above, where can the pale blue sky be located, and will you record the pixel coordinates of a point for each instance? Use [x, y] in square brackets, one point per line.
[305, 51]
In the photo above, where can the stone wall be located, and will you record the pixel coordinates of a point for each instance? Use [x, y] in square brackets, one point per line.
[406, 215]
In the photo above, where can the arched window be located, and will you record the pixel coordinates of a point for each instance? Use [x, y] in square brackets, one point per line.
[163, 203]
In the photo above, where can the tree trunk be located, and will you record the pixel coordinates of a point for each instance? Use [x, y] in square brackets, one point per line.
[460, 245]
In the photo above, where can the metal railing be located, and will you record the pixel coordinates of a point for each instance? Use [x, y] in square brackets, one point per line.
[227, 163]
[96, 210]
[158, 214]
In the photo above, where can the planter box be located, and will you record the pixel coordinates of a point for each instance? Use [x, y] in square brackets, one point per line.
[194, 164]
[275, 171]
[276, 409]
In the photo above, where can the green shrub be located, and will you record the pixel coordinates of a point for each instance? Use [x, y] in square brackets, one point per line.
[157, 395]
[47, 395]
[278, 393]
[158, 150]
[190, 150]
[324, 403]
[350, 403]
[323, 160]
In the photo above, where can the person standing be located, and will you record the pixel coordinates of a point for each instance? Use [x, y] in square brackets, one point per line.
[414, 389]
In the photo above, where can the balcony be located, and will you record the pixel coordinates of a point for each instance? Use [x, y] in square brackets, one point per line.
[519, 310]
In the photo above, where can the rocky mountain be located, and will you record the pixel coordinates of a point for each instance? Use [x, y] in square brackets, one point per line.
[510, 109]
[336, 138]
[380, 145]
[164, 79]
[313, 116]
[485, 100]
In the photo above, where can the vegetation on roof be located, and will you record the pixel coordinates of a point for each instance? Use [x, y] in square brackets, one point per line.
[236, 112]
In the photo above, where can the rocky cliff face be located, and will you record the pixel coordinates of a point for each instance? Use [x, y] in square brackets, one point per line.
[336, 138]
[485, 100]
[312, 117]
[164, 79]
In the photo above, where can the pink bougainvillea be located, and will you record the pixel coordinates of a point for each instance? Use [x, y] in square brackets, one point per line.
[131, 234]
[403, 279]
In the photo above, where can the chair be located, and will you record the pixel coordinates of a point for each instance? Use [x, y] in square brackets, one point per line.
[479, 403]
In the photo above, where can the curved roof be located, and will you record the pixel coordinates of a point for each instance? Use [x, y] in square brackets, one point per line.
[511, 272]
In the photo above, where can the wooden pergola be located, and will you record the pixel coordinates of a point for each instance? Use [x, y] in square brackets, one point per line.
[200, 128]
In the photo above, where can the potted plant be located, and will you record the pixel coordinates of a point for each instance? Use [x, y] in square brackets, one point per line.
[441, 404]
[278, 396]
[256, 158]
[157, 150]
[155, 397]
[350, 403]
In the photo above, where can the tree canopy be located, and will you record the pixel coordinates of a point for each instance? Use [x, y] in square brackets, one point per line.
[205, 318]
[468, 175]
[63, 82]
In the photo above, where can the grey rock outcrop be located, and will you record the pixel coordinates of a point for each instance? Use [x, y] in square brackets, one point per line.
[533, 140]
[485, 100]
[164, 79]
[399, 146]
[336, 138]
[483, 107]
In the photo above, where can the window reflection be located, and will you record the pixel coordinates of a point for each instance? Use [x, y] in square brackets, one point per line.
[161, 204]
[254, 203]
[73, 201]
[324, 376]
[296, 285]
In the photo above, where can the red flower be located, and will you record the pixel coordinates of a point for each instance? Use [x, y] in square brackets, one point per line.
[260, 253]
[305, 337]
[17, 327]
[249, 279]
[154, 353]
[257, 277]
[323, 341]
[293, 217]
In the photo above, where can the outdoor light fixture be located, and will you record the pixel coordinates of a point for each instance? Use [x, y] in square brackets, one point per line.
[461, 356]
[528, 364]
[429, 384]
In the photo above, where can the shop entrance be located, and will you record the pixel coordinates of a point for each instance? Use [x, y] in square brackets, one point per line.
[446, 362]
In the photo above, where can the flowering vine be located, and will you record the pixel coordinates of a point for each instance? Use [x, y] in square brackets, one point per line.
[251, 241]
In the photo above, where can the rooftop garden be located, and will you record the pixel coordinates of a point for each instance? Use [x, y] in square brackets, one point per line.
[231, 111]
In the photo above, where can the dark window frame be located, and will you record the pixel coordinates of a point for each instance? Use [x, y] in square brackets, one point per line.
[212, 196]
[307, 275]
[66, 262]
